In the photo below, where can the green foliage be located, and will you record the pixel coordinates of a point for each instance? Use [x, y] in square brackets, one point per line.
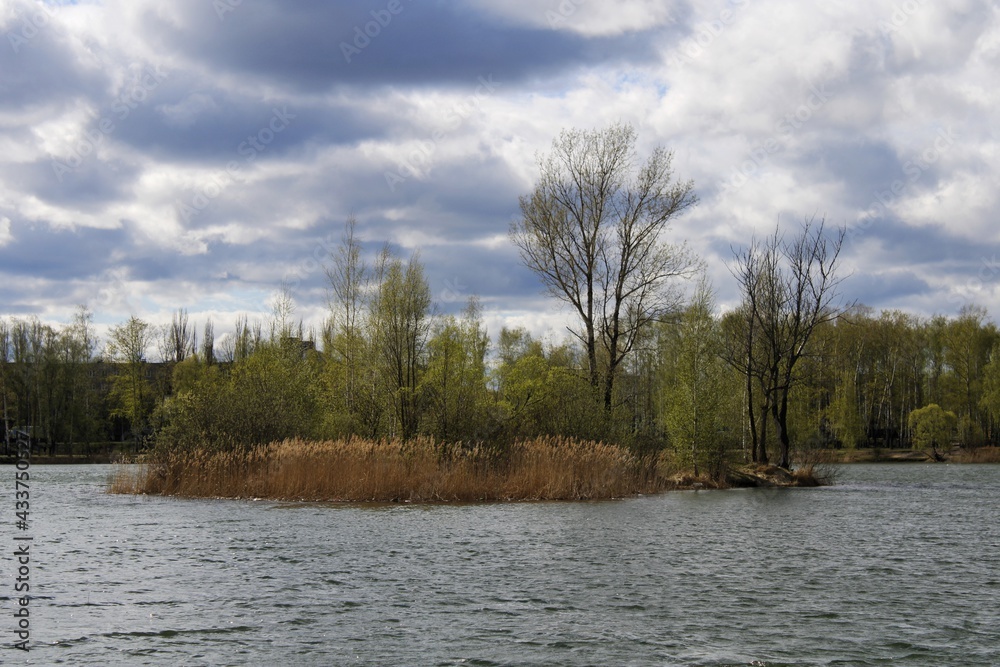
[544, 391]
[399, 324]
[932, 426]
[270, 395]
[454, 383]
[131, 394]
[700, 389]
[990, 401]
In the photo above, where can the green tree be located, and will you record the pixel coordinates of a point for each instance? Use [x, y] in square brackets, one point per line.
[932, 428]
[454, 384]
[990, 401]
[353, 387]
[131, 394]
[399, 324]
[968, 341]
[695, 399]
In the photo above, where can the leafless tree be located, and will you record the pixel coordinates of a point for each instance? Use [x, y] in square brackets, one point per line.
[348, 277]
[179, 336]
[592, 230]
[208, 343]
[789, 289]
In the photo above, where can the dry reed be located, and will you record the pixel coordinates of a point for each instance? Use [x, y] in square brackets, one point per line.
[421, 470]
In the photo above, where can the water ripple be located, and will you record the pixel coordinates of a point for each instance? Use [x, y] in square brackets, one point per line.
[897, 565]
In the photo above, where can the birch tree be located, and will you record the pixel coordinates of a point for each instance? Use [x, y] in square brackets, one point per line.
[592, 230]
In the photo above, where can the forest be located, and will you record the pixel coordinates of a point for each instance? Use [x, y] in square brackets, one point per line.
[651, 364]
[442, 376]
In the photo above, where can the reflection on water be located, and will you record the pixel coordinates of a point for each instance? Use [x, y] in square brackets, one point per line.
[896, 564]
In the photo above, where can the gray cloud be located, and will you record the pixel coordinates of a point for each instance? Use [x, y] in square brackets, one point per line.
[123, 225]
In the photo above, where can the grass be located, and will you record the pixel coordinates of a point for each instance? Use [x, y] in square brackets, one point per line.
[421, 470]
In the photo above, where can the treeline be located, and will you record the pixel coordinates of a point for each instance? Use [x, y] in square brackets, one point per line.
[790, 369]
[384, 366]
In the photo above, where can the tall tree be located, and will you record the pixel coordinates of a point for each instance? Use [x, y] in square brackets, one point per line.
[208, 343]
[179, 337]
[127, 346]
[399, 326]
[349, 276]
[969, 339]
[695, 397]
[592, 229]
[789, 288]
[455, 381]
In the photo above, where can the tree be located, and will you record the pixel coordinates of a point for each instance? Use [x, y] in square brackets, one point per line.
[454, 384]
[990, 402]
[399, 324]
[127, 345]
[76, 347]
[349, 352]
[592, 229]
[932, 427]
[176, 338]
[208, 343]
[969, 340]
[789, 288]
[695, 397]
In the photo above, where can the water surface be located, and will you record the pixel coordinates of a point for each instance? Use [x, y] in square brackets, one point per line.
[896, 564]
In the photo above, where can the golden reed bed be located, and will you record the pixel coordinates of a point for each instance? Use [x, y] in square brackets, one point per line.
[420, 470]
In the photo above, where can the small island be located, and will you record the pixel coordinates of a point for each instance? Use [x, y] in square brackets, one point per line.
[654, 386]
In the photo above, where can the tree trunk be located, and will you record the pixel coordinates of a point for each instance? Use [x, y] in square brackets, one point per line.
[762, 455]
[780, 411]
[751, 412]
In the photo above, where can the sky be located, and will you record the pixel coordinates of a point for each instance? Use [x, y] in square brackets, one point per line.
[200, 154]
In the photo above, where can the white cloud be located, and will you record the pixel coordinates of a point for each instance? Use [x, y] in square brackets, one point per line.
[5, 234]
[777, 111]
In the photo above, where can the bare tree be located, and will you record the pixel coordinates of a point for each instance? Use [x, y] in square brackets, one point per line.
[592, 231]
[348, 276]
[208, 343]
[177, 338]
[282, 311]
[789, 288]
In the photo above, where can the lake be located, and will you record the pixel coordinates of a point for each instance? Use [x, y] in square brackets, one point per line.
[895, 564]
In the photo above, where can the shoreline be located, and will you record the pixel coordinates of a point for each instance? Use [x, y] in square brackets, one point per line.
[869, 455]
[979, 455]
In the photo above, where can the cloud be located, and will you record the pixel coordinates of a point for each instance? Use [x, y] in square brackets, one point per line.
[164, 155]
[5, 235]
